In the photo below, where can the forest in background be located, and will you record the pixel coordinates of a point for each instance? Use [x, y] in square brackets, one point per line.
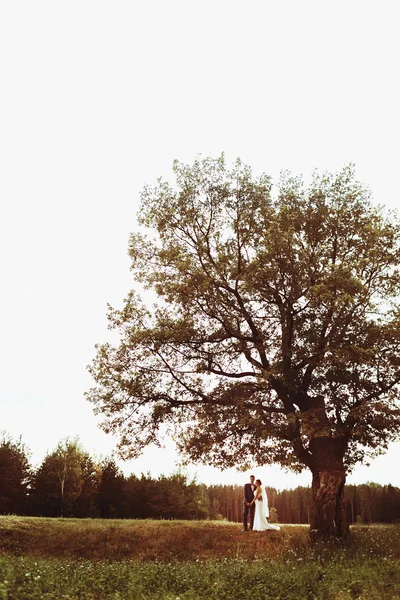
[70, 483]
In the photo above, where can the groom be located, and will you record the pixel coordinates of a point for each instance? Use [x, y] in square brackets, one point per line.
[247, 506]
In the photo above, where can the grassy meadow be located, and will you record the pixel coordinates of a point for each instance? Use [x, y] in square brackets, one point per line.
[186, 560]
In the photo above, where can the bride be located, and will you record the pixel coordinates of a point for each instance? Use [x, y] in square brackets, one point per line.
[262, 511]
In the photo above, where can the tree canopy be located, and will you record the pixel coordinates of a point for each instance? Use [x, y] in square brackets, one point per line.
[274, 333]
[65, 483]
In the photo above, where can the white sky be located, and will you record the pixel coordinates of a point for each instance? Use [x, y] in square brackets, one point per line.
[97, 99]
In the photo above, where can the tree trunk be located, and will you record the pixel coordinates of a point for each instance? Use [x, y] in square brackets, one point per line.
[329, 516]
[62, 482]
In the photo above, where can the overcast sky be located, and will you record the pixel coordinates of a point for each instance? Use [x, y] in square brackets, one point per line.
[97, 99]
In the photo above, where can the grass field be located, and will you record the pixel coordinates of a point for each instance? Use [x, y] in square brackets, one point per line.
[94, 559]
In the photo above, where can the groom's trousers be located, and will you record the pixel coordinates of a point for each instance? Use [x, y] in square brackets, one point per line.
[248, 510]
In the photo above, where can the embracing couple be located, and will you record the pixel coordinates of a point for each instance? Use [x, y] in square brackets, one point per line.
[255, 504]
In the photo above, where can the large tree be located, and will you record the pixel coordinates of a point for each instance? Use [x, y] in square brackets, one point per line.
[275, 328]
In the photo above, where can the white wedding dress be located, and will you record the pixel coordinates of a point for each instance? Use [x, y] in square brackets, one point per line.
[262, 513]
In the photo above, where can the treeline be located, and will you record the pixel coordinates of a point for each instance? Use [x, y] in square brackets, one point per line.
[366, 503]
[70, 483]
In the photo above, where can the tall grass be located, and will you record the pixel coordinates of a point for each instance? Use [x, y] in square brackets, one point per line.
[132, 560]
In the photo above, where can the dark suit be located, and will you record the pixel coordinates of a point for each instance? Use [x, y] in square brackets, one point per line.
[248, 497]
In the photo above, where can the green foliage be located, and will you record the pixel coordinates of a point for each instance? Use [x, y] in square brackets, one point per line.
[85, 503]
[275, 337]
[172, 497]
[65, 483]
[111, 489]
[15, 475]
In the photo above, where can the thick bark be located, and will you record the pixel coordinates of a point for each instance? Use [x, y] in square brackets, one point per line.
[329, 515]
[326, 453]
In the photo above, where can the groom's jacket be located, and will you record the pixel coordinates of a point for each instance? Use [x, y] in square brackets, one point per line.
[248, 492]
